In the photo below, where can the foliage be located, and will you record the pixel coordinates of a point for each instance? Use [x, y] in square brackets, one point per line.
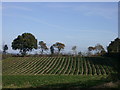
[5, 48]
[25, 42]
[59, 46]
[114, 46]
[98, 49]
[113, 77]
[43, 46]
[91, 48]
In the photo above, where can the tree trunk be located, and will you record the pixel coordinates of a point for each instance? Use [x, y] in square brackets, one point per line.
[59, 50]
[42, 52]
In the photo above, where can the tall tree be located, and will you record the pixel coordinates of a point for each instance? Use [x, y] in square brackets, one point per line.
[43, 46]
[114, 46]
[59, 46]
[99, 48]
[52, 49]
[5, 48]
[25, 42]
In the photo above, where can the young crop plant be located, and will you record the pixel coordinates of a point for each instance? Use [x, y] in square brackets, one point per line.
[61, 65]
[68, 66]
[53, 65]
[56, 66]
[89, 67]
[48, 67]
[75, 66]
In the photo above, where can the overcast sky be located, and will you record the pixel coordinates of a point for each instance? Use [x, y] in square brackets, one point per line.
[80, 24]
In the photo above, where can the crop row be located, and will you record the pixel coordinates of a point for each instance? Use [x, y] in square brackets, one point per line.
[57, 65]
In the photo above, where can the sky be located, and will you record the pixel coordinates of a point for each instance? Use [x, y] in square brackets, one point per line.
[80, 24]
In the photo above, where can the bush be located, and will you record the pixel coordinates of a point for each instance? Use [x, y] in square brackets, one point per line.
[113, 77]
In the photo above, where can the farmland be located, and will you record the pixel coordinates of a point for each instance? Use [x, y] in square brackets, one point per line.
[58, 66]
[56, 72]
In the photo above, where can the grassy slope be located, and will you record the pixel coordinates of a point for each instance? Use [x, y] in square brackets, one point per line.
[53, 81]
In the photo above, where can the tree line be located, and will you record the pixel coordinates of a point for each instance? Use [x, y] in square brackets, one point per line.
[27, 42]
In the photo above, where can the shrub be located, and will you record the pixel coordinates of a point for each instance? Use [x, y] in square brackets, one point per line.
[113, 77]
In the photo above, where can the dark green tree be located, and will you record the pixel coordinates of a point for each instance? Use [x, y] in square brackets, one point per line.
[25, 42]
[114, 46]
[52, 50]
[5, 48]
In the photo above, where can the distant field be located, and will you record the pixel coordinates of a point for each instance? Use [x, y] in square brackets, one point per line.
[57, 66]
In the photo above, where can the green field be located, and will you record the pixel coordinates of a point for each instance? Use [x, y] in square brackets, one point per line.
[58, 66]
[51, 81]
[27, 72]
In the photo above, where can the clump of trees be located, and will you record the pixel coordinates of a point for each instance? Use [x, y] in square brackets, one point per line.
[27, 42]
[24, 43]
[114, 46]
[114, 52]
[98, 49]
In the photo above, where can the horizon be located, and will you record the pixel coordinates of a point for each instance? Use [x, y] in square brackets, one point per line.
[74, 24]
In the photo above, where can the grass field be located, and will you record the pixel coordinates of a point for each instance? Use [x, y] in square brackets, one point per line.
[58, 72]
[50, 81]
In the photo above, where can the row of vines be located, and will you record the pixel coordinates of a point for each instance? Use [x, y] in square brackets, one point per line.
[57, 65]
